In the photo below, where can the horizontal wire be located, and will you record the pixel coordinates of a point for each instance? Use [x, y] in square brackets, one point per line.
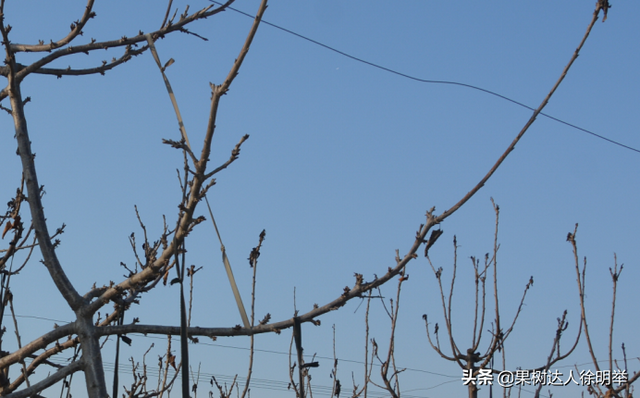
[62, 322]
[431, 81]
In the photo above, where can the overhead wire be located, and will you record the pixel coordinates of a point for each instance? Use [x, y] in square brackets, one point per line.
[62, 322]
[432, 81]
[152, 371]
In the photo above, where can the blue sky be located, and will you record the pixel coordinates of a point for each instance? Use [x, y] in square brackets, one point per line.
[342, 163]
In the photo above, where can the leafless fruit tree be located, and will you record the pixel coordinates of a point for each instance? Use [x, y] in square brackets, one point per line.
[478, 368]
[612, 380]
[160, 255]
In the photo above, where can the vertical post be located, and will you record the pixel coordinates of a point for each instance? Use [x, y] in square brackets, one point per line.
[117, 360]
[184, 343]
[297, 335]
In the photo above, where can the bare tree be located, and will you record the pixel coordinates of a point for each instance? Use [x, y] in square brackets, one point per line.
[165, 254]
[478, 367]
[612, 380]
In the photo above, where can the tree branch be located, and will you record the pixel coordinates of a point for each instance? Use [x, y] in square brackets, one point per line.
[94, 45]
[47, 248]
[512, 146]
[76, 29]
[49, 381]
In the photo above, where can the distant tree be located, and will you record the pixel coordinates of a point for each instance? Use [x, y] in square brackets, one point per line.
[480, 367]
[614, 379]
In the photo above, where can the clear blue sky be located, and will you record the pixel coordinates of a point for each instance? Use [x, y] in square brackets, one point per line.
[343, 161]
